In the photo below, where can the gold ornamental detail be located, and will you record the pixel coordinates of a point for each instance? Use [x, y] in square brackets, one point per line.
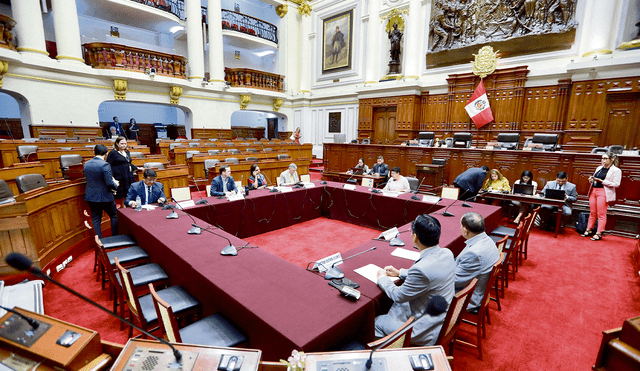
[244, 100]
[486, 61]
[394, 16]
[304, 9]
[281, 10]
[4, 67]
[120, 89]
[175, 93]
[277, 103]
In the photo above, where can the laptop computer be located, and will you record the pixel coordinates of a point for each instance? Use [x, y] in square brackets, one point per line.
[523, 189]
[555, 194]
[357, 171]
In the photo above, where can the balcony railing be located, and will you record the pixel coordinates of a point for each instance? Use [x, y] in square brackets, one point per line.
[175, 7]
[251, 26]
[122, 57]
[244, 77]
[6, 36]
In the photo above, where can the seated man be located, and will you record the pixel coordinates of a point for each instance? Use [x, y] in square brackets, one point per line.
[571, 194]
[432, 274]
[118, 126]
[223, 184]
[470, 182]
[477, 258]
[380, 168]
[290, 176]
[397, 182]
[149, 191]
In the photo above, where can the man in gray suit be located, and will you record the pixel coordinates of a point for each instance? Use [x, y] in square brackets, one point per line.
[101, 186]
[432, 274]
[571, 194]
[477, 258]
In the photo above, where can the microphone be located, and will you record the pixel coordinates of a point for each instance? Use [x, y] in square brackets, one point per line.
[464, 204]
[265, 174]
[74, 130]
[228, 250]
[194, 230]
[34, 324]
[201, 201]
[336, 272]
[414, 197]
[352, 180]
[436, 306]
[23, 263]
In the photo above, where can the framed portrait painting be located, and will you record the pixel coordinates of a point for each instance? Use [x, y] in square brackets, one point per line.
[337, 37]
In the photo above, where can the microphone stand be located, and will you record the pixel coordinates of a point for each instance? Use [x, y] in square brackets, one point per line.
[34, 324]
[228, 250]
[201, 201]
[20, 258]
[195, 229]
[464, 204]
[336, 272]
[414, 197]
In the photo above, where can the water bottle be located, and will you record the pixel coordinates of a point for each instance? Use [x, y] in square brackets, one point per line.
[138, 203]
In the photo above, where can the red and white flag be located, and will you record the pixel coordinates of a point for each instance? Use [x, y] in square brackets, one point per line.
[478, 107]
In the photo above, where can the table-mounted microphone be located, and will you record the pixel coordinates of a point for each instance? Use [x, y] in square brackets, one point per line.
[194, 230]
[228, 250]
[464, 204]
[335, 272]
[201, 201]
[414, 197]
[34, 324]
[23, 263]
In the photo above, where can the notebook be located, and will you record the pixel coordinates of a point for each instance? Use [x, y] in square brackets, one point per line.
[523, 189]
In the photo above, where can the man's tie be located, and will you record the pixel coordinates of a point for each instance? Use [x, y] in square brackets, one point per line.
[559, 186]
[148, 195]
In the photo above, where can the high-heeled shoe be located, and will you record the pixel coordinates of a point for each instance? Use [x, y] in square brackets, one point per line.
[596, 237]
[587, 233]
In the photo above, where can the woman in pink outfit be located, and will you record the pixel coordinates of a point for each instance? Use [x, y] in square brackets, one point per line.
[603, 190]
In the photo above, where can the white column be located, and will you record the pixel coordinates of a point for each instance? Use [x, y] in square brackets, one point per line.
[216, 55]
[67, 30]
[412, 46]
[305, 55]
[29, 27]
[372, 62]
[597, 32]
[195, 47]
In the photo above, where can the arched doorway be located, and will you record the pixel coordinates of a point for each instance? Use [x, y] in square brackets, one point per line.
[14, 116]
[258, 124]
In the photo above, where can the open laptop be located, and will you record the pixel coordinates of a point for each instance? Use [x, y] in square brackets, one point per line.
[523, 189]
[357, 171]
[555, 194]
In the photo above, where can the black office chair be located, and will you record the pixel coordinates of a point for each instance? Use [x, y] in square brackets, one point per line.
[29, 182]
[462, 140]
[413, 183]
[549, 141]
[426, 138]
[439, 161]
[600, 150]
[617, 149]
[509, 140]
[354, 141]
[68, 160]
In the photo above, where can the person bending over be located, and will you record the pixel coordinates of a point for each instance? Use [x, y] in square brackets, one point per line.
[470, 182]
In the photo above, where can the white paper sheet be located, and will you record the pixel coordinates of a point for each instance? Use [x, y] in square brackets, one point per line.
[370, 272]
[407, 254]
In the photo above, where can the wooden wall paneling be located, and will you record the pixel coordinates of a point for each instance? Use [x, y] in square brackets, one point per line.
[413, 156]
[543, 165]
[445, 154]
[508, 163]
[540, 109]
[586, 105]
[365, 119]
[622, 116]
[629, 190]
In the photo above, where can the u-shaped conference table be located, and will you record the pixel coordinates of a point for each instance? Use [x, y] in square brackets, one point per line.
[278, 305]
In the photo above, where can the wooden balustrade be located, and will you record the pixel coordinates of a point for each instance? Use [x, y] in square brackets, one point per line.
[121, 57]
[245, 77]
[6, 36]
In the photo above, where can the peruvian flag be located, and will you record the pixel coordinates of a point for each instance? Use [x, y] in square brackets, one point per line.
[478, 107]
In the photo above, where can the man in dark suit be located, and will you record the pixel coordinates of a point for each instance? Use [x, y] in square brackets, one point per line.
[470, 182]
[149, 191]
[118, 126]
[223, 184]
[380, 168]
[101, 186]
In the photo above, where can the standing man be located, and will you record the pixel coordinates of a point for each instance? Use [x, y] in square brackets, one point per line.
[149, 191]
[119, 129]
[101, 186]
[470, 182]
[380, 168]
[571, 194]
[290, 176]
[223, 184]
[337, 43]
[432, 274]
[477, 258]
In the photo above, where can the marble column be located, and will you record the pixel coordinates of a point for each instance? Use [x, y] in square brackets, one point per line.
[67, 30]
[216, 54]
[599, 27]
[305, 55]
[412, 46]
[374, 32]
[29, 29]
[195, 46]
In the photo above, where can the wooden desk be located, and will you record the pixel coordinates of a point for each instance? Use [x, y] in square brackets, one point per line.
[196, 163]
[343, 177]
[270, 169]
[174, 176]
[430, 175]
[9, 174]
[179, 154]
[396, 359]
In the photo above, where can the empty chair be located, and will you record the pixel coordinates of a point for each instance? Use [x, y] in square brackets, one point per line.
[413, 183]
[29, 182]
[283, 157]
[252, 150]
[257, 143]
[234, 151]
[439, 161]
[549, 141]
[400, 338]
[136, 154]
[462, 140]
[213, 151]
[453, 319]
[239, 138]
[33, 140]
[191, 153]
[426, 138]
[233, 160]
[617, 149]
[208, 164]
[25, 151]
[174, 145]
[68, 160]
[508, 140]
[268, 149]
[354, 141]
[6, 194]
[600, 150]
[213, 139]
[112, 242]
[193, 144]
[448, 142]
[366, 141]
[255, 159]
[157, 165]
[213, 330]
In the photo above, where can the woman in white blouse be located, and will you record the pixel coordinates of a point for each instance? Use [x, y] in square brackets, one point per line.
[397, 182]
[603, 190]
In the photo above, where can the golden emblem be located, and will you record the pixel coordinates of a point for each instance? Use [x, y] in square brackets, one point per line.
[277, 103]
[304, 9]
[175, 92]
[244, 100]
[120, 89]
[282, 9]
[394, 16]
[486, 61]
[4, 67]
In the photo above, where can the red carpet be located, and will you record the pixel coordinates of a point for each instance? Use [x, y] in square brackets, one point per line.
[552, 317]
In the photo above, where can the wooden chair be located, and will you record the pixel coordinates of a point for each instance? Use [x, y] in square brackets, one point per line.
[478, 319]
[400, 338]
[525, 246]
[453, 319]
[214, 330]
[499, 290]
[510, 260]
[141, 308]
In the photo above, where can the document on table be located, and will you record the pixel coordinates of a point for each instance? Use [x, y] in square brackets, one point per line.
[370, 272]
[407, 254]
